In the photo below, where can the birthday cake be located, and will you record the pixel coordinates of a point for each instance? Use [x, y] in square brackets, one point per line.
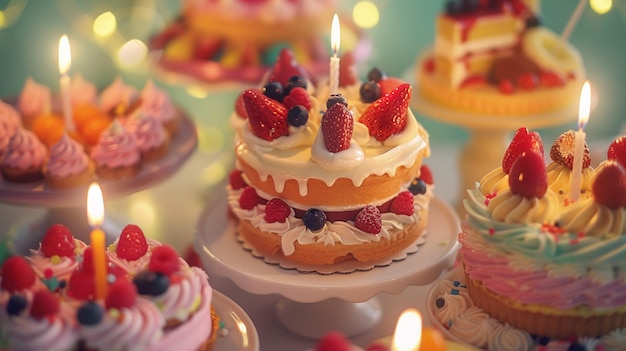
[496, 58]
[324, 179]
[538, 269]
[154, 299]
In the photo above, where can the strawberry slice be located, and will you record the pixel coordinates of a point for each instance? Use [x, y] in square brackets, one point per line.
[132, 243]
[562, 151]
[528, 176]
[609, 185]
[523, 141]
[337, 125]
[267, 117]
[617, 151]
[388, 115]
[286, 67]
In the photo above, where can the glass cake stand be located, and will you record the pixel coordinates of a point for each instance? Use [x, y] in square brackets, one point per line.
[69, 206]
[311, 302]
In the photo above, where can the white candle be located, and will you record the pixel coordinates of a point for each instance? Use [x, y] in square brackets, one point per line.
[65, 61]
[579, 141]
[335, 37]
[408, 333]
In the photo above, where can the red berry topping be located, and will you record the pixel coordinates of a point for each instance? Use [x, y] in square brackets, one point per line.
[368, 220]
[426, 175]
[121, 294]
[523, 141]
[472, 81]
[17, 274]
[88, 259]
[388, 115]
[617, 151]
[609, 185]
[527, 81]
[389, 84]
[506, 87]
[248, 198]
[164, 260]
[44, 304]
[528, 176]
[276, 210]
[333, 341]
[429, 65]
[236, 180]
[267, 117]
[286, 67]
[58, 241]
[403, 204]
[81, 285]
[551, 79]
[337, 125]
[297, 96]
[562, 151]
[240, 107]
[347, 70]
[132, 243]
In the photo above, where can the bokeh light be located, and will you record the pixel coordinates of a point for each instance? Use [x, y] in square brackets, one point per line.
[132, 54]
[105, 25]
[601, 6]
[365, 14]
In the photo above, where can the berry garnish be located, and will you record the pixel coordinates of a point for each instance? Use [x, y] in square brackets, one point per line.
[295, 82]
[87, 263]
[314, 219]
[527, 176]
[403, 204]
[337, 125]
[81, 285]
[297, 116]
[297, 96]
[235, 180]
[16, 304]
[17, 274]
[333, 341]
[426, 175]
[132, 243]
[440, 302]
[90, 313]
[121, 294]
[267, 118]
[248, 198]
[527, 81]
[523, 141]
[368, 220]
[376, 74]
[276, 210]
[285, 68]
[58, 241]
[417, 187]
[389, 84]
[617, 151]
[44, 304]
[388, 115]
[347, 71]
[274, 91]
[609, 185]
[369, 91]
[551, 79]
[506, 87]
[336, 98]
[240, 108]
[562, 151]
[164, 260]
[151, 283]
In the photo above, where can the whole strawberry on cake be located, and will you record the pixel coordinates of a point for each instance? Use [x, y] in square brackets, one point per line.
[324, 179]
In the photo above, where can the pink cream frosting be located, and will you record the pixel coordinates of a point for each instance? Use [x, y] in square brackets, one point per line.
[83, 92]
[149, 132]
[117, 93]
[10, 122]
[24, 151]
[67, 157]
[156, 103]
[61, 267]
[117, 147]
[35, 98]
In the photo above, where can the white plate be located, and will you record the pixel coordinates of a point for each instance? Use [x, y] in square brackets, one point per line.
[241, 334]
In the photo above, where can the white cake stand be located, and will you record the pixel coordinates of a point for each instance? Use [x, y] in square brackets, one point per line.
[312, 303]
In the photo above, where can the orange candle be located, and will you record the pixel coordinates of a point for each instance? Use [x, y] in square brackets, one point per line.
[95, 214]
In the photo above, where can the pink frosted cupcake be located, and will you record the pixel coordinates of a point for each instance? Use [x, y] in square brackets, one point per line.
[152, 138]
[24, 158]
[35, 100]
[116, 155]
[131, 251]
[119, 99]
[9, 124]
[157, 104]
[83, 92]
[68, 165]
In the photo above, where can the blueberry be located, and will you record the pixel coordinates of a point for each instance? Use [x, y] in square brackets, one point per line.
[532, 22]
[369, 91]
[274, 90]
[297, 116]
[16, 304]
[417, 187]
[577, 347]
[151, 283]
[440, 302]
[335, 98]
[295, 82]
[90, 313]
[314, 219]
[376, 74]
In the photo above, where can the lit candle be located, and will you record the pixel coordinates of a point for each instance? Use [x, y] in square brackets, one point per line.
[408, 333]
[335, 36]
[579, 141]
[95, 214]
[65, 61]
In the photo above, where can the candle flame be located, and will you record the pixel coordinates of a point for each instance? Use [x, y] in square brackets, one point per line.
[95, 205]
[584, 105]
[335, 35]
[65, 55]
[408, 333]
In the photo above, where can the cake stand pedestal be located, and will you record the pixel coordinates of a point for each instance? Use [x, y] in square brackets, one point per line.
[312, 303]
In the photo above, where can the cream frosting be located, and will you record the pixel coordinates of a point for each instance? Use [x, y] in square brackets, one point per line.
[182, 298]
[24, 151]
[149, 132]
[10, 122]
[117, 147]
[156, 103]
[559, 180]
[83, 91]
[131, 267]
[61, 267]
[116, 94]
[66, 158]
[35, 99]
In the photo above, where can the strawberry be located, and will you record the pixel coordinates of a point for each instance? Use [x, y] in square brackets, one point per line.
[248, 198]
[132, 243]
[276, 210]
[609, 185]
[16, 274]
[426, 175]
[551, 79]
[403, 204]
[267, 117]
[389, 84]
[506, 87]
[121, 294]
[58, 241]
[240, 108]
[388, 115]
[528, 176]
[347, 70]
[286, 67]
[523, 141]
[527, 81]
[337, 125]
[368, 220]
[297, 96]
[562, 151]
[206, 48]
[617, 151]
[235, 180]
[333, 341]
[164, 260]
[44, 304]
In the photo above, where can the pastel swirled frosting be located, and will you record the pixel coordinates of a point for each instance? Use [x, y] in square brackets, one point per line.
[66, 158]
[156, 103]
[9, 124]
[149, 133]
[116, 94]
[58, 332]
[60, 267]
[24, 151]
[183, 297]
[131, 267]
[117, 147]
[35, 98]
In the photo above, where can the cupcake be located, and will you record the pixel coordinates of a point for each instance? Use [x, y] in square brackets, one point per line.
[116, 155]
[83, 92]
[131, 251]
[68, 165]
[35, 99]
[24, 158]
[118, 99]
[157, 104]
[9, 124]
[152, 139]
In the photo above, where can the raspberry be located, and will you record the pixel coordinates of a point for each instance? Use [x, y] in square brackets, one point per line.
[609, 185]
[17, 274]
[132, 243]
[333, 341]
[551, 79]
[528, 176]
[337, 125]
[388, 115]
[58, 241]
[236, 180]
[297, 96]
[248, 198]
[506, 87]
[121, 294]
[426, 175]
[44, 304]
[368, 220]
[286, 67]
[276, 210]
[164, 260]
[527, 81]
[403, 204]
[81, 285]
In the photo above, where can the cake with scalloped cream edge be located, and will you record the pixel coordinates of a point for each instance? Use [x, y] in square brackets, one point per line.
[538, 270]
[325, 180]
[496, 58]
